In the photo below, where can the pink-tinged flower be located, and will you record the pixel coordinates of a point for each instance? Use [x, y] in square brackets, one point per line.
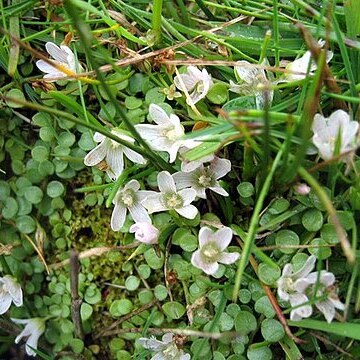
[302, 189]
[211, 252]
[129, 198]
[166, 135]
[165, 349]
[333, 131]
[62, 56]
[112, 153]
[145, 232]
[204, 177]
[34, 328]
[290, 288]
[10, 291]
[169, 198]
[195, 82]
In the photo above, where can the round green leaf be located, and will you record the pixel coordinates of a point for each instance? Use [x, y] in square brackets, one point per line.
[16, 94]
[279, 206]
[160, 292]
[153, 260]
[285, 238]
[10, 208]
[328, 233]
[272, 330]
[268, 274]
[244, 296]
[226, 322]
[259, 353]
[33, 194]
[321, 250]
[55, 189]
[26, 224]
[132, 283]
[245, 189]
[245, 322]
[218, 94]
[66, 139]
[155, 96]
[263, 306]
[40, 153]
[121, 307]
[312, 220]
[86, 311]
[174, 309]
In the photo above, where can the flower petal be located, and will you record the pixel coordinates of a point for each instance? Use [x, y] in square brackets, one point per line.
[96, 155]
[327, 308]
[205, 236]
[133, 185]
[153, 203]
[189, 211]
[306, 268]
[139, 214]
[219, 190]
[223, 237]
[166, 183]
[220, 167]
[228, 258]
[118, 217]
[134, 156]
[5, 302]
[159, 115]
[115, 160]
[182, 179]
[56, 52]
[188, 195]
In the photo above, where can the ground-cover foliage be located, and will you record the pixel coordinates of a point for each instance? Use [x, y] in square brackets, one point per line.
[179, 179]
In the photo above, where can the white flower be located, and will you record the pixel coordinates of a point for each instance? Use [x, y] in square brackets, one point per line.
[113, 154]
[211, 250]
[33, 330]
[323, 282]
[290, 288]
[204, 177]
[129, 198]
[197, 83]
[252, 81]
[297, 70]
[169, 198]
[328, 131]
[145, 232]
[165, 349]
[62, 56]
[10, 291]
[166, 135]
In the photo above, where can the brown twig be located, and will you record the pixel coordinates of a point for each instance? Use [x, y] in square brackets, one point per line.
[97, 251]
[76, 301]
[109, 330]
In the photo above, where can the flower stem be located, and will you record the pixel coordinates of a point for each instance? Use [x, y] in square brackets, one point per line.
[156, 19]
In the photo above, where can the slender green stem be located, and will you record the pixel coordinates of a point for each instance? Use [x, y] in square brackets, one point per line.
[249, 241]
[156, 19]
